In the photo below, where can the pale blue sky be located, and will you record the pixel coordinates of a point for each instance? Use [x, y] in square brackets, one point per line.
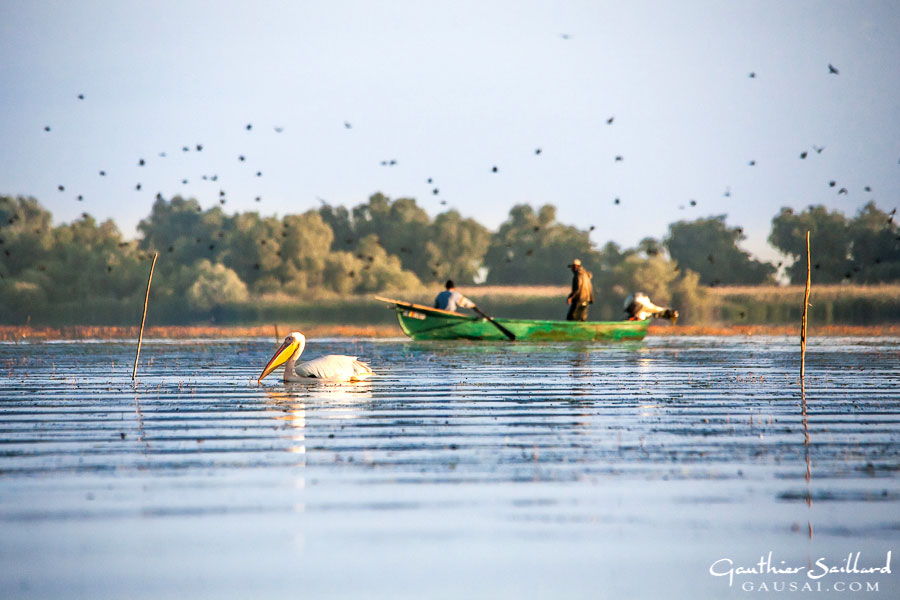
[449, 90]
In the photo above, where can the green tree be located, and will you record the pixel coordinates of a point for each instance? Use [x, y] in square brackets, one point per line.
[214, 285]
[25, 235]
[874, 246]
[456, 247]
[533, 248]
[710, 248]
[831, 262]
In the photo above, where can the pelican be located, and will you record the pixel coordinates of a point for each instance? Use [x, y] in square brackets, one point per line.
[639, 307]
[334, 367]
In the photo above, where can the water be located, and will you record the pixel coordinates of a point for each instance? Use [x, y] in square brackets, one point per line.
[463, 471]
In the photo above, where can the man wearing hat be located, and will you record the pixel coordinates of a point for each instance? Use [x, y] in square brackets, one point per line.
[582, 292]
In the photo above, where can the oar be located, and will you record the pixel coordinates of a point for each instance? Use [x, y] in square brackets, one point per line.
[502, 329]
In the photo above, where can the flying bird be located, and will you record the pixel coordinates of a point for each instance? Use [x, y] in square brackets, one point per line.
[832, 70]
[347, 125]
[333, 367]
[752, 75]
[752, 163]
[619, 158]
[610, 120]
[803, 154]
[494, 169]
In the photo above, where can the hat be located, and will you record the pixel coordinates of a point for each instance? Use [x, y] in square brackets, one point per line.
[576, 263]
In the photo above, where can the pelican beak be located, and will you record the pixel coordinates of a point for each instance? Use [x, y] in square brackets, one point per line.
[280, 357]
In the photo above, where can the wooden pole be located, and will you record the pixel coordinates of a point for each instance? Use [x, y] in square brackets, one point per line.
[805, 310]
[143, 317]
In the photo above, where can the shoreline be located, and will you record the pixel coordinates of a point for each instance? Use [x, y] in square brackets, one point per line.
[10, 333]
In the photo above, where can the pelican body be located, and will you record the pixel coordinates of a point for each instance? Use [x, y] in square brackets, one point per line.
[639, 307]
[333, 367]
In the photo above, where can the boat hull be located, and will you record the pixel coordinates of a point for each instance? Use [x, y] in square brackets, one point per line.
[424, 323]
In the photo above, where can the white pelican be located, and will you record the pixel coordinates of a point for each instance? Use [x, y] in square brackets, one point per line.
[334, 367]
[639, 307]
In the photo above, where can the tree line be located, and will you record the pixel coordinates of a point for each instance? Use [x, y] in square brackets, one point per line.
[210, 258]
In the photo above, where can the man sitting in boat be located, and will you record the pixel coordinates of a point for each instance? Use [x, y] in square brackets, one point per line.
[639, 307]
[450, 299]
[582, 292]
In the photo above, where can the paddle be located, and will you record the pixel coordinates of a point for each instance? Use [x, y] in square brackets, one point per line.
[502, 329]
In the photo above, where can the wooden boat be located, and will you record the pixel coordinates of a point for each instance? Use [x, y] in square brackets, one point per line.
[425, 323]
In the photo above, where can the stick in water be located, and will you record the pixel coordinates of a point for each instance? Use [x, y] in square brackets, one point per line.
[805, 308]
[144, 317]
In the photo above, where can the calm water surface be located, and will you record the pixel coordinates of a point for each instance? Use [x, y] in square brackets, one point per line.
[462, 471]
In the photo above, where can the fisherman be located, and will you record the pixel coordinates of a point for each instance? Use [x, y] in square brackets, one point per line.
[449, 299]
[582, 292]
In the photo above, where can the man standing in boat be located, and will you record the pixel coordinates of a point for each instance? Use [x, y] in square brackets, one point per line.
[582, 292]
[449, 299]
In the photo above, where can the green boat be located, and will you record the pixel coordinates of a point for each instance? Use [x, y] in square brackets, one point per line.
[425, 323]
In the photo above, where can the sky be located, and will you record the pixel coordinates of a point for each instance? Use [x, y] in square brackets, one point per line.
[449, 91]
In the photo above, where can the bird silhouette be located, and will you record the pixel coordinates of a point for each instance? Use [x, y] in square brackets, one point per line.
[46, 128]
[102, 173]
[752, 163]
[693, 203]
[803, 154]
[278, 129]
[347, 125]
[81, 96]
[494, 169]
[832, 70]
[435, 191]
[752, 75]
[242, 158]
[61, 188]
[832, 183]
[565, 36]
[619, 158]
[537, 150]
[818, 149]
[199, 147]
[843, 190]
[617, 201]
[141, 162]
[868, 188]
[610, 120]
[249, 126]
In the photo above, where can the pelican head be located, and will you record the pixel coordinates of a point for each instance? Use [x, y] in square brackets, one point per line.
[291, 348]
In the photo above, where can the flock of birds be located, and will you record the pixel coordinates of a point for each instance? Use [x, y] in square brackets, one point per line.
[430, 181]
